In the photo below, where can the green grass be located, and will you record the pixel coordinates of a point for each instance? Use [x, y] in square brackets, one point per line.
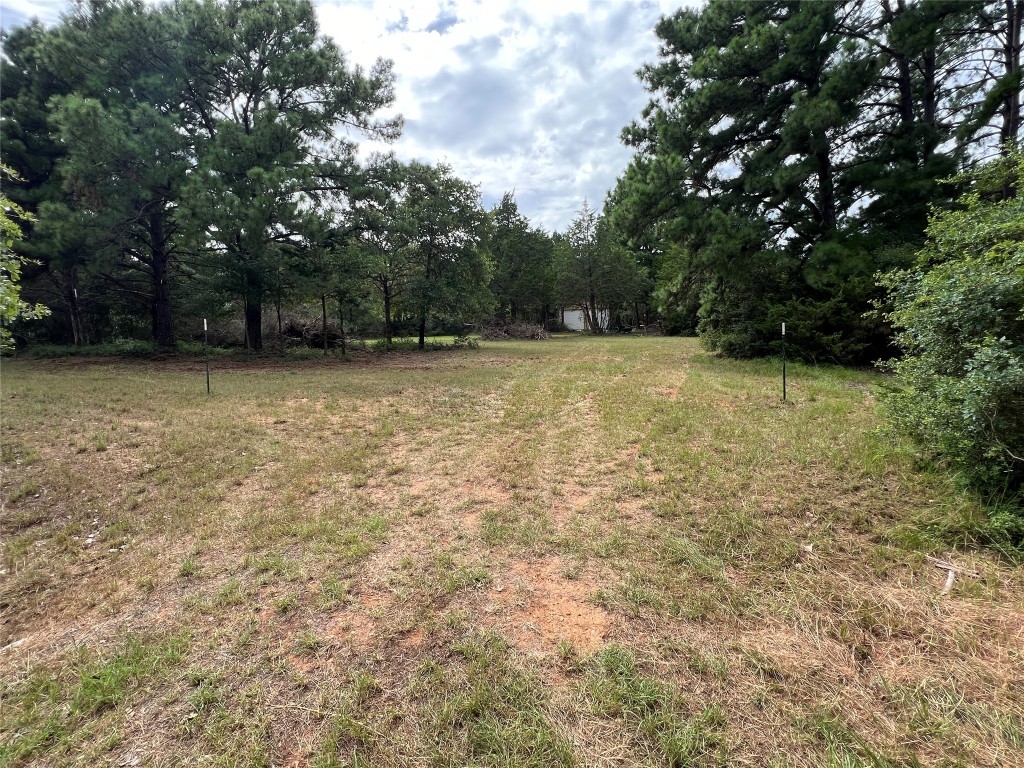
[482, 707]
[80, 707]
[617, 688]
[528, 553]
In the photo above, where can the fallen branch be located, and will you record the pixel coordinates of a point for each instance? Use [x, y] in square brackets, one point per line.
[951, 571]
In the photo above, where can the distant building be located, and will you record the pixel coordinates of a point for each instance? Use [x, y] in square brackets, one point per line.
[575, 319]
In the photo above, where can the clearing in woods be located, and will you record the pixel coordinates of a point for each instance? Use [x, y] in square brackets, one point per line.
[582, 551]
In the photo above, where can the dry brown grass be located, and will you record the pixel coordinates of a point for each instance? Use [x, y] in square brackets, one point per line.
[576, 551]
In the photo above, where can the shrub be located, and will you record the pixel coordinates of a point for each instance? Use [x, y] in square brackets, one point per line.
[959, 321]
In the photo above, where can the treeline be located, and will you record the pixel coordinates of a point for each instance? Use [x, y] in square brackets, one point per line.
[792, 151]
[200, 158]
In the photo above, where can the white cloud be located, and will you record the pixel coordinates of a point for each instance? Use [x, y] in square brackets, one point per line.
[14, 13]
[515, 94]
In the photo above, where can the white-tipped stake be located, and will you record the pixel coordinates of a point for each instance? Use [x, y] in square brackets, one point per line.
[204, 325]
[783, 329]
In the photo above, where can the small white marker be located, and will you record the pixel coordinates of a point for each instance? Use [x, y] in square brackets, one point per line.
[783, 329]
[204, 325]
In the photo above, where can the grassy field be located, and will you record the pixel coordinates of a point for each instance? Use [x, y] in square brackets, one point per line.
[591, 552]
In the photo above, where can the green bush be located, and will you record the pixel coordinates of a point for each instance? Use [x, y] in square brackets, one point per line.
[959, 321]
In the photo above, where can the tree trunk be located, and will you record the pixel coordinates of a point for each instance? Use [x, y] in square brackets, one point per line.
[423, 332]
[931, 91]
[253, 325]
[595, 324]
[75, 321]
[78, 334]
[280, 329]
[75, 316]
[163, 326]
[323, 316]
[826, 193]
[389, 330]
[341, 324]
[906, 86]
[1011, 61]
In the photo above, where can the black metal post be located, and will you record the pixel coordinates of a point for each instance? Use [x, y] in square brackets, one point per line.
[206, 354]
[783, 362]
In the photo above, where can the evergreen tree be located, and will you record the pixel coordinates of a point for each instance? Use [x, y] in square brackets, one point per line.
[523, 281]
[267, 101]
[126, 156]
[791, 150]
[594, 271]
[33, 152]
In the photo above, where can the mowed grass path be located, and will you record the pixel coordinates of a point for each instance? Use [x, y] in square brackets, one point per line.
[581, 551]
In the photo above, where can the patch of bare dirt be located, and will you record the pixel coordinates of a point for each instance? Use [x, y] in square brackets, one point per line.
[470, 521]
[483, 491]
[302, 664]
[413, 640]
[539, 606]
[358, 624]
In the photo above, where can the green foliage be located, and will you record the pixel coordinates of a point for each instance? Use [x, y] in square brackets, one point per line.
[791, 150]
[421, 245]
[430, 345]
[220, 129]
[524, 275]
[11, 306]
[265, 96]
[959, 320]
[449, 270]
[594, 271]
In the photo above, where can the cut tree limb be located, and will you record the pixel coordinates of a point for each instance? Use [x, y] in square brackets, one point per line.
[951, 571]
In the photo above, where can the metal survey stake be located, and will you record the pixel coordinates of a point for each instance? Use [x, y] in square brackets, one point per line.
[206, 354]
[783, 362]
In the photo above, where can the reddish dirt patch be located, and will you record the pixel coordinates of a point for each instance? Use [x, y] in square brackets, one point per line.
[357, 625]
[353, 629]
[302, 664]
[420, 487]
[413, 640]
[539, 606]
[484, 492]
[300, 749]
[471, 521]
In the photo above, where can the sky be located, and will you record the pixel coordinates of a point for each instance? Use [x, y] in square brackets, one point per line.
[528, 96]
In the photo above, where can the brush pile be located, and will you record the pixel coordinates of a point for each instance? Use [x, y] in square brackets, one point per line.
[497, 331]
